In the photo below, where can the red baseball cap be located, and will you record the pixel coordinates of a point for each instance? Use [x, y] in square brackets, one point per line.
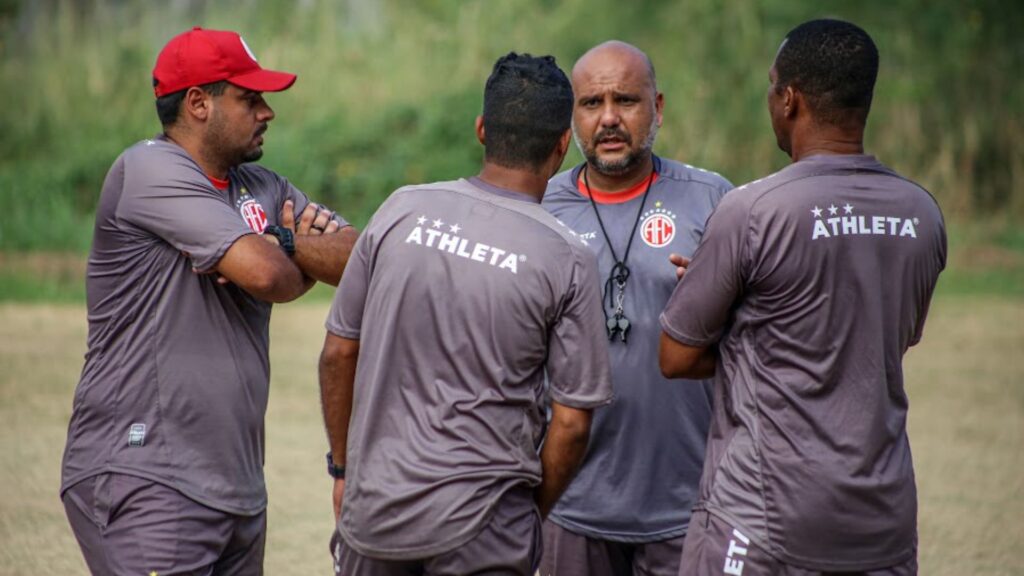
[201, 56]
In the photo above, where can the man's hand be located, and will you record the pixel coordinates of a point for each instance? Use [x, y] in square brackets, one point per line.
[314, 220]
[339, 493]
[322, 246]
[680, 262]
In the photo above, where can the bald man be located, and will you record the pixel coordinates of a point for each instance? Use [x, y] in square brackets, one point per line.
[628, 509]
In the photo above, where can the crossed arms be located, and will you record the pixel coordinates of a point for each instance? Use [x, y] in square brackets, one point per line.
[257, 265]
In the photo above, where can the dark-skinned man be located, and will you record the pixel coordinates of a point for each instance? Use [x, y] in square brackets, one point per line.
[807, 289]
[459, 297]
[163, 468]
[627, 510]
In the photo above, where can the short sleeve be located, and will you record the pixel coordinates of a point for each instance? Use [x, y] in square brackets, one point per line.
[167, 195]
[931, 276]
[346, 316]
[698, 310]
[577, 365]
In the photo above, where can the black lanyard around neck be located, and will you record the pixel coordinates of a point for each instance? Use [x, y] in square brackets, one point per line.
[618, 324]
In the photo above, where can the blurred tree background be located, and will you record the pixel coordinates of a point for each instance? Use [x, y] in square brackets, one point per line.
[388, 91]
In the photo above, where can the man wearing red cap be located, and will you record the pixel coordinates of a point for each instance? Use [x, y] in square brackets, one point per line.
[163, 467]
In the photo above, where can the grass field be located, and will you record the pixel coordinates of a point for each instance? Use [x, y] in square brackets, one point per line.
[966, 384]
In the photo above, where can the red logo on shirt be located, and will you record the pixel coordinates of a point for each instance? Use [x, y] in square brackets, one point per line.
[253, 215]
[658, 229]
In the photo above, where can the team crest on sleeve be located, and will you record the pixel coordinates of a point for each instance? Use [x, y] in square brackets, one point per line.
[252, 212]
[658, 226]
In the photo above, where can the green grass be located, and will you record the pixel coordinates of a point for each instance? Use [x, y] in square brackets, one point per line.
[388, 91]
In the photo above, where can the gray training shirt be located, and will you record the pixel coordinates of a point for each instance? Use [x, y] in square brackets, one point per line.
[814, 281]
[638, 482]
[176, 375]
[462, 295]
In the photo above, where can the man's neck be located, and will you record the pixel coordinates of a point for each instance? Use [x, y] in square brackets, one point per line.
[518, 180]
[828, 140]
[615, 183]
[193, 147]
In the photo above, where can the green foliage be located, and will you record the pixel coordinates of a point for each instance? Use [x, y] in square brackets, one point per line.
[388, 91]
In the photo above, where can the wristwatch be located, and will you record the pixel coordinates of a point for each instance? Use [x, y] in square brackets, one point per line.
[335, 471]
[285, 237]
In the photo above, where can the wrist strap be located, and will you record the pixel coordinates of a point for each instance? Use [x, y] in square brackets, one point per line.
[335, 471]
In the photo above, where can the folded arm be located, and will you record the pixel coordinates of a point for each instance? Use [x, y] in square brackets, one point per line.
[262, 269]
[322, 245]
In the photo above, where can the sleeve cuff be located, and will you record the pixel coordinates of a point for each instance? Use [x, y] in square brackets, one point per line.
[580, 403]
[681, 337]
[209, 263]
[350, 333]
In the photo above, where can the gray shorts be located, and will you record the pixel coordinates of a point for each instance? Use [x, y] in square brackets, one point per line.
[129, 525]
[716, 547]
[569, 554]
[510, 544]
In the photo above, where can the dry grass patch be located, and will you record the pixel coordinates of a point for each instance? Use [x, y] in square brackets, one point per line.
[966, 386]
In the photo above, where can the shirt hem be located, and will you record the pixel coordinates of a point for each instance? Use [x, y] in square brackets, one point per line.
[349, 333]
[631, 538]
[564, 400]
[209, 264]
[190, 494]
[414, 553]
[680, 337]
[832, 565]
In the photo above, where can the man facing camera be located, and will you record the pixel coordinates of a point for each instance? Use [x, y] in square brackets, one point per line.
[628, 509]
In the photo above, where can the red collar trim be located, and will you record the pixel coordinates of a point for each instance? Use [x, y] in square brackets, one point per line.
[218, 183]
[615, 197]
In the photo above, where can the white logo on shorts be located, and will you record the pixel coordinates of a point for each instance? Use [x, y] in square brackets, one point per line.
[137, 435]
[732, 565]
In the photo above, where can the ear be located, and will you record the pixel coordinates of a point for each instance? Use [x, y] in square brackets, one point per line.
[659, 106]
[558, 154]
[563, 143]
[792, 100]
[480, 130]
[197, 104]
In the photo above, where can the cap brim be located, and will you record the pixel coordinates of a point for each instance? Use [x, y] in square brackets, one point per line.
[264, 80]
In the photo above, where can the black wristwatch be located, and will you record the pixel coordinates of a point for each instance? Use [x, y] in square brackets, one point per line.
[285, 237]
[336, 472]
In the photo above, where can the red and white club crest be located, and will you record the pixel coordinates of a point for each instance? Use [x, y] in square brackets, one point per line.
[658, 228]
[253, 214]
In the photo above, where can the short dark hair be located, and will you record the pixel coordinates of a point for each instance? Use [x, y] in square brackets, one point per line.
[527, 108]
[168, 106]
[834, 64]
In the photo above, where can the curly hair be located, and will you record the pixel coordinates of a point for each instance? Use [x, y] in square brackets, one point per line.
[527, 108]
[834, 64]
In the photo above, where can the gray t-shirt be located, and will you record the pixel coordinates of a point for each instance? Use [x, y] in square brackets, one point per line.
[638, 481]
[176, 375]
[813, 282]
[462, 295]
